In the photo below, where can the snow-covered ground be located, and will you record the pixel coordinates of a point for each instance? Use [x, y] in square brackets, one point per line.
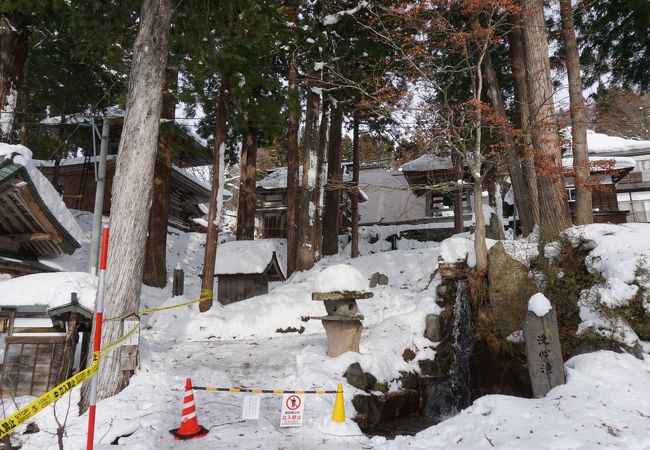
[604, 403]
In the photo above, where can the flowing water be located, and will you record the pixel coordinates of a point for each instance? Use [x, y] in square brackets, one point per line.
[463, 345]
[447, 396]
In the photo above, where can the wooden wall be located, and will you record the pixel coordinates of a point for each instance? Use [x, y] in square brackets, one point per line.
[234, 288]
[32, 364]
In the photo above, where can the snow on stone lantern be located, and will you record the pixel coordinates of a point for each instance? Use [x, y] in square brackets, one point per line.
[339, 287]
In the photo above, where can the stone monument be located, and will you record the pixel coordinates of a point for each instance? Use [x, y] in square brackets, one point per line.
[544, 354]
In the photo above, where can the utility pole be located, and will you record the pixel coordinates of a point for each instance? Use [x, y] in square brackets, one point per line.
[99, 197]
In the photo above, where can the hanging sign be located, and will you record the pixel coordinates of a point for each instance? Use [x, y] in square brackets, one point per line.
[292, 410]
[251, 407]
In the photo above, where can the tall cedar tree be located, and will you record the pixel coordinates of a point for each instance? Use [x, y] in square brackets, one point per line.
[583, 210]
[218, 152]
[522, 114]
[132, 188]
[155, 259]
[14, 45]
[305, 256]
[293, 151]
[553, 203]
[615, 41]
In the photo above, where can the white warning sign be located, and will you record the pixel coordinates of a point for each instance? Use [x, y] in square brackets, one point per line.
[292, 410]
[251, 407]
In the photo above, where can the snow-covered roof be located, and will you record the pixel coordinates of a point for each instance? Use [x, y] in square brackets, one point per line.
[227, 195]
[71, 161]
[277, 178]
[244, 257]
[49, 290]
[85, 117]
[22, 156]
[604, 143]
[620, 162]
[428, 162]
[92, 159]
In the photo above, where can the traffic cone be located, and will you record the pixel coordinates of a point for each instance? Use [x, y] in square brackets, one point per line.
[190, 428]
[339, 408]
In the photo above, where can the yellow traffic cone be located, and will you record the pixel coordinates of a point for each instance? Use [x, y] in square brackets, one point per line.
[339, 407]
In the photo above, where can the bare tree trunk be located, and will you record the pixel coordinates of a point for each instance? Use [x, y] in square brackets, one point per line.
[354, 191]
[553, 204]
[249, 191]
[243, 173]
[155, 259]
[480, 247]
[14, 46]
[209, 259]
[583, 212]
[306, 257]
[333, 194]
[318, 192]
[518, 63]
[131, 194]
[514, 164]
[293, 152]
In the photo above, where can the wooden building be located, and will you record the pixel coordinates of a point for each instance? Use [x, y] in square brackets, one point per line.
[605, 173]
[33, 220]
[435, 177]
[76, 176]
[44, 343]
[245, 268]
[271, 204]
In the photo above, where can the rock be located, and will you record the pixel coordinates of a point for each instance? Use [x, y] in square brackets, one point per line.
[446, 319]
[408, 355]
[510, 288]
[357, 377]
[439, 399]
[372, 381]
[590, 341]
[445, 294]
[31, 428]
[432, 328]
[400, 403]
[410, 380]
[451, 270]
[378, 279]
[372, 409]
[427, 367]
[368, 414]
[494, 229]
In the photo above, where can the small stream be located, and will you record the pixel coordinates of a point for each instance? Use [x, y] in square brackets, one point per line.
[460, 373]
[445, 396]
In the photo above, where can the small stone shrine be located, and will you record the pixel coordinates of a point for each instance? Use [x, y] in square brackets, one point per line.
[544, 354]
[339, 287]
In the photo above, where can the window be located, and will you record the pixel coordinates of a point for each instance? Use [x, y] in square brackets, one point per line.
[571, 194]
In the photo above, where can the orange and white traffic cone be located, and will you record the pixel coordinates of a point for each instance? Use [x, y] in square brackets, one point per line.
[190, 428]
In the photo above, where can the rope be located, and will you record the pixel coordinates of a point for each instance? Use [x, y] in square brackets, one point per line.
[235, 390]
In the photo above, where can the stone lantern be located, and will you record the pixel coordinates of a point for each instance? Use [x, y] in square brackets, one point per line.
[339, 287]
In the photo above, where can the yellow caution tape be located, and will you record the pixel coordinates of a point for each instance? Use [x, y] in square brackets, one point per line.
[53, 395]
[56, 393]
[153, 310]
[149, 311]
[117, 342]
[49, 397]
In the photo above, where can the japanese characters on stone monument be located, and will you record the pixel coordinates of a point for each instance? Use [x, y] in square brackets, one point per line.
[544, 354]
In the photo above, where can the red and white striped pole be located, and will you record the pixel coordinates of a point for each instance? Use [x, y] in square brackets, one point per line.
[99, 311]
